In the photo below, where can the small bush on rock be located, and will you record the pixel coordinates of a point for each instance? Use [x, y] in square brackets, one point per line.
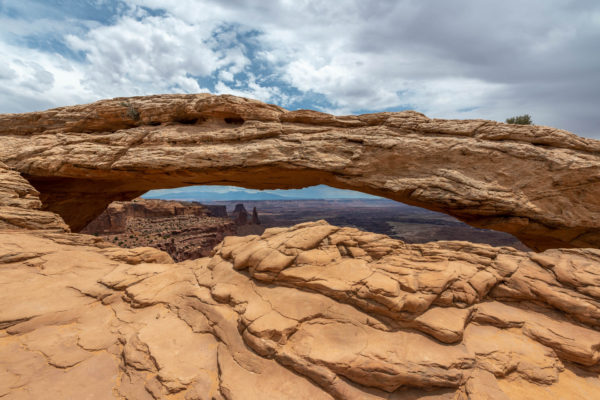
[520, 120]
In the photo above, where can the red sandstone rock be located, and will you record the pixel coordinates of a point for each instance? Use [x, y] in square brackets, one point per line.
[240, 215]
[255, 220]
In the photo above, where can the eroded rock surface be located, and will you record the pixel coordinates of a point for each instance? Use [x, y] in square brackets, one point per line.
[114, 219]
[537, 183]
[312, 311]
[20, 205]
[186, 230]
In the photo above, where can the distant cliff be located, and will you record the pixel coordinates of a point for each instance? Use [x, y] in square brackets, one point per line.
[185, 230]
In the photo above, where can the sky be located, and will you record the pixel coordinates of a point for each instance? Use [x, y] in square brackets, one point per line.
[447, 59]
[217, 193]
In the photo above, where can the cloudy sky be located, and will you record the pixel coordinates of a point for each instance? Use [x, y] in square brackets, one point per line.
[446, 58]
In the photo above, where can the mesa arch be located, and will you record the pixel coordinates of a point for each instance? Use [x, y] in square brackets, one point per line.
[540, 184]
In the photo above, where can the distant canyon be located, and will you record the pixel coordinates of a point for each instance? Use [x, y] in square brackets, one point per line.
[190, 229]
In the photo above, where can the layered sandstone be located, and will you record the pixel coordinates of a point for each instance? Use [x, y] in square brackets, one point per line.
[240, 215]
[312, 311]
[114, 219]
[185, 230]
[537, 183]
[20, 205]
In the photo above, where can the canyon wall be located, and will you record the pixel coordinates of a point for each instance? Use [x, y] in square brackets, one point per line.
[184, 229]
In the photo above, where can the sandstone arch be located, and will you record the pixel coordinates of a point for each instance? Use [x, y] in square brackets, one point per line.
[310, 311]
[537, 183]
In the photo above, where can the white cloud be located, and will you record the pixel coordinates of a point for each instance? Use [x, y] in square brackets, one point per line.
[155, 54]
[441, 58]
[226, 75]
[34, 80]
[135, 55]
[448, 59]
[253, 90]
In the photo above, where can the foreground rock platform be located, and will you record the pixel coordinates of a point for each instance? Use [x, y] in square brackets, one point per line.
[537, 183]
[313, 311]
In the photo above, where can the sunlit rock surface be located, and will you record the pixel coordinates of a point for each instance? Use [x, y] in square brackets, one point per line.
[312, 311]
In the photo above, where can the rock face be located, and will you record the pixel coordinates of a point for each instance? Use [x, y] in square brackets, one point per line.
[255, 220]
[185, 230]
[312, 311]
[20, 206]
[537, 183]
[114, 219]
[240, 215]
[216, 210]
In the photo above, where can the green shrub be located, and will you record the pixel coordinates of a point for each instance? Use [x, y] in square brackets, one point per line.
[520, 120]
[132, 112]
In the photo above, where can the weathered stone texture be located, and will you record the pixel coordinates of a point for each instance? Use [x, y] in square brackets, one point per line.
[312, 311]
[537, 183]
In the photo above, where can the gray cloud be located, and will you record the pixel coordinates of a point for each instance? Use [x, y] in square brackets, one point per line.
[451, 59]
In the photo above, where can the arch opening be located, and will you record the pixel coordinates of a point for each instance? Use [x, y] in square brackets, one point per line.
[526, 181]
[79, 201]
[188, 222]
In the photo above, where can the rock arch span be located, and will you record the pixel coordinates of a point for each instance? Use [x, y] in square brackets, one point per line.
[538, 183]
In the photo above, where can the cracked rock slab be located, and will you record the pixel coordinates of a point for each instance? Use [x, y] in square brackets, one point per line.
[348, 315]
